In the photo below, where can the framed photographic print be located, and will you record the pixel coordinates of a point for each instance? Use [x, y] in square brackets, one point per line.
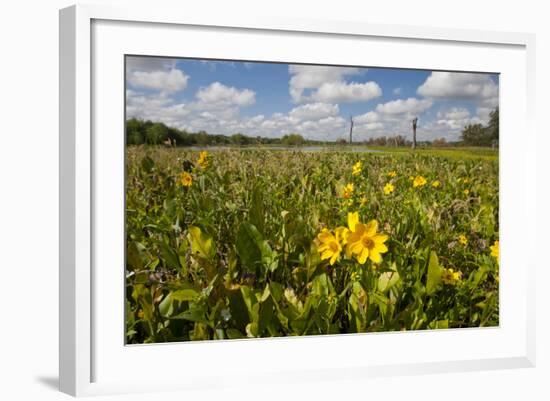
[308, 193]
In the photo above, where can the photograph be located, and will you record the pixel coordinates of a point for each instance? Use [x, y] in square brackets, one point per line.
[278, 199]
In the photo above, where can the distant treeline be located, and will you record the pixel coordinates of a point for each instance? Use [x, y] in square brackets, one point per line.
[154, 133]
[140, 132]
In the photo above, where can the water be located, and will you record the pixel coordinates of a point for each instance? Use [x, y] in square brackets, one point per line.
[309, 148]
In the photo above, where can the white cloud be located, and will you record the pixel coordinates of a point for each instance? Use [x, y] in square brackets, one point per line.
[326, 84]
[455, 118]
[166, 81]
[217, 94]
[347, 92]
[396, 91]
[367, 118]
[404, 106]
[463, 86]
[454, 113]
[314, 111]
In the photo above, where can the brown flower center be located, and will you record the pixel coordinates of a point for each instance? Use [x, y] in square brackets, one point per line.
[367, 242]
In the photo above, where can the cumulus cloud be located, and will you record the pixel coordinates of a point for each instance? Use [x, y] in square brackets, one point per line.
[327, 84]
[404, 106]
[166, 81]
[314, 111]
[347, 92]
[217, 94]
[479, 88]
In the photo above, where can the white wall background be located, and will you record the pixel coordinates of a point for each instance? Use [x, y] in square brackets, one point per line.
[29, 196]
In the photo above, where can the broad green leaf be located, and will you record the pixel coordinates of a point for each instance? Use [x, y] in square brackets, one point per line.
[248, 249]
[169, 255]
[166, 306]
[195, 314]
[434, 274]
[133, 256]
[233, 334]
[201, 243]
[184, 295]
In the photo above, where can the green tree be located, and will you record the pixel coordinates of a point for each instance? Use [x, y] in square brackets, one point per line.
[156, 134]
[493, 126]
[475, 135]
[240, 139]
[293, 140]
[134, 132]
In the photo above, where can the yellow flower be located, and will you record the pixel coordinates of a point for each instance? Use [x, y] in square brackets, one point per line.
[462, 239]
[357, 168]
[466, 191]
[329, 245]
[449, 276]
[436, 184]
[392, 174]
[419, 181]
[364, 201]
[364, 241]
[203, 161]
[348, 190]
[388, 189]
[186, 179]
[495, 251]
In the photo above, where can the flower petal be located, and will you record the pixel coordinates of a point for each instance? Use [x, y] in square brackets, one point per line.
[353, 219]
[375, 256]
[371, 228]
[362, 258]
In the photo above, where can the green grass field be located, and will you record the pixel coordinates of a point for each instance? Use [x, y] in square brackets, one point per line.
[258, 243]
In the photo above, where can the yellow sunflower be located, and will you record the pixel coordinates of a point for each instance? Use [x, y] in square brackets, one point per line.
[495, 251]
[357, 168]
[419, 181]
[348, 191]
[329, 245]
[449, 276]
[364, 241]
[203, 161]
[186, 179]
[388, 188]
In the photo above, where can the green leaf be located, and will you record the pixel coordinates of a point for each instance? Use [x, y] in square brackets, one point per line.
[233, 334]
[252, 330]
[166, 306]
[434, 273]
[133, 256]
[201, 243]
[184, 295]
[247, 247]
[169, 255]
[195, 314]
[147, 164]
[256, 213]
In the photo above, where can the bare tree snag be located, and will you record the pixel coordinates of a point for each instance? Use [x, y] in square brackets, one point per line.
[414, 121]
[350, 130]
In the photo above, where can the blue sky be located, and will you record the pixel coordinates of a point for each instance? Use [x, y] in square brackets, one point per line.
[273, 99]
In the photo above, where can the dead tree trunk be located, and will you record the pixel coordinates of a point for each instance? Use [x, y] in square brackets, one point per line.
[414, 121]
[350, 130]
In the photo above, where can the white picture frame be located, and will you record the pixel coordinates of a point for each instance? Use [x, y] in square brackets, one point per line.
[94, 361]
